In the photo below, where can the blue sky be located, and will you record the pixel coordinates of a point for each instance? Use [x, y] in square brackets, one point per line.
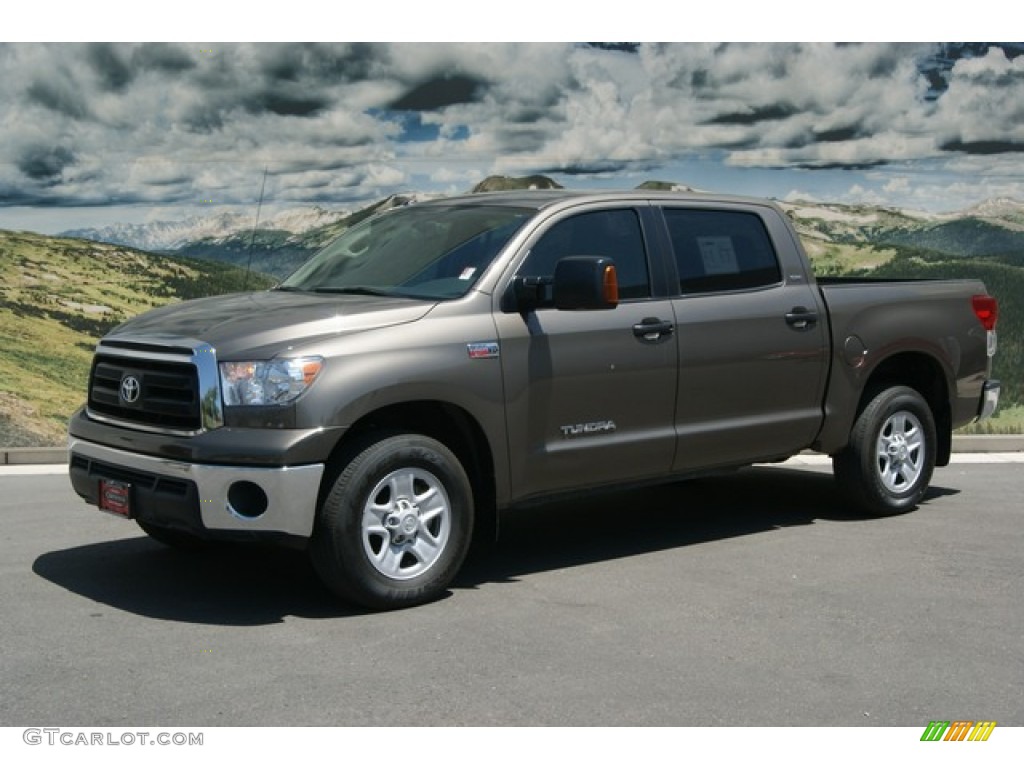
[93, 134]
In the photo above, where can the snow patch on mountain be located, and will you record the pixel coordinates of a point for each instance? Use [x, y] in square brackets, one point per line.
[828, 213]
[819, 220]
[998, 208]
[172, 235]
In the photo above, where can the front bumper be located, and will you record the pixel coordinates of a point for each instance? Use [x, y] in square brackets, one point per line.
[989, 399]
[203, 499]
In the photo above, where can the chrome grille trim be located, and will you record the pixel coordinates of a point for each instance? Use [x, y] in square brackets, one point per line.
[200, 357]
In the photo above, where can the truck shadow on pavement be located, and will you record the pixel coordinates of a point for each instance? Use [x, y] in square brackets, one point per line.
[251, 586]
[682, 514]
[230, 585]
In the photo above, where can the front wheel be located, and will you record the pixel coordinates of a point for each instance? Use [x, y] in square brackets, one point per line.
[395, 525]
[888, 463]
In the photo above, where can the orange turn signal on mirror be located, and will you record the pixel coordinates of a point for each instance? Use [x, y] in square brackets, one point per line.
[611, 285]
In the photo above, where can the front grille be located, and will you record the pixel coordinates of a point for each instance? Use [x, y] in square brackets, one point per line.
[167, 398]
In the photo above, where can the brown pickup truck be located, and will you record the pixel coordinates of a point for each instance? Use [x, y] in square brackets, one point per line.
[450, 359]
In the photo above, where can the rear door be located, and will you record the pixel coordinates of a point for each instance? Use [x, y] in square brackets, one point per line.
[751, 334]
[590, 394]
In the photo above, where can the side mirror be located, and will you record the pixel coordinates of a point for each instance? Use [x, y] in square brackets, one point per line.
[585, 282]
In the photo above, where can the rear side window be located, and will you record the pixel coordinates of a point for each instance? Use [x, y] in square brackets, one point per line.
[721, 250]
[612, 233]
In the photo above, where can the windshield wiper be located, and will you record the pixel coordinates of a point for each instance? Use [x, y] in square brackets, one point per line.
[354, 290]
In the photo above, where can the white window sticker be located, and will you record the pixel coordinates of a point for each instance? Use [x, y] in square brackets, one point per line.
[718, 255]
[467, 273]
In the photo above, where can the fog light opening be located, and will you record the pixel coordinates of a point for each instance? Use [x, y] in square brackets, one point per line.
[246, 500]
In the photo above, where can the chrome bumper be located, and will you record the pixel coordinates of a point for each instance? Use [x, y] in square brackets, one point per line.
[989, 399]
[291, 492]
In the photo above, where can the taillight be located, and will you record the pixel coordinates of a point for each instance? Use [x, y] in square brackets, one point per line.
[987, 310]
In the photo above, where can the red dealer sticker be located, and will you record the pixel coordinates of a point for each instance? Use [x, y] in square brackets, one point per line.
[115, 497]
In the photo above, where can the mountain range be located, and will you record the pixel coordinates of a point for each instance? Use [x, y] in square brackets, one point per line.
[278, 245]
[169, 236]
[992, 227]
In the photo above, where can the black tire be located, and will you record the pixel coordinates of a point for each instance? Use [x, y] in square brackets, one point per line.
[173, 538]
[887, 465]
[395, 525]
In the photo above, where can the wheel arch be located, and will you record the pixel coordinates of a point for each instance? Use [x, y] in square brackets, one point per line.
[447, 423]
[924, 374]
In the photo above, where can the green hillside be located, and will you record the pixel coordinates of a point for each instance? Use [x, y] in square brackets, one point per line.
[963, 237]
[57, 297]
[270, 252]
[277, 252]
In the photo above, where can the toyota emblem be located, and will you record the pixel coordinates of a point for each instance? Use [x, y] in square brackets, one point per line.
[130, 389]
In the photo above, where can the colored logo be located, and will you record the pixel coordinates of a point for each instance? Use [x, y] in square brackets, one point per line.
[130, 389]
[483, 350]
[958, 730]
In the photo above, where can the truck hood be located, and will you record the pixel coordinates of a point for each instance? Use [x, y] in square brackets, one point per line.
[263, 323]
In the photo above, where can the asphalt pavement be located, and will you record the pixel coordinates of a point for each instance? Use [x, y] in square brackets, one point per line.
[750, 599]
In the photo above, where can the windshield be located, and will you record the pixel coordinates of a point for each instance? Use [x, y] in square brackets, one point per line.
[434, 252]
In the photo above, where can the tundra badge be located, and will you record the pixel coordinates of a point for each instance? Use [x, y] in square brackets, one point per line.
[590, 428]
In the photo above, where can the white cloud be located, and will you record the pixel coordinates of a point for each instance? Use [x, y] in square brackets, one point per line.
[984, 102]
[130, 123]
[898, 186]
[863, 195]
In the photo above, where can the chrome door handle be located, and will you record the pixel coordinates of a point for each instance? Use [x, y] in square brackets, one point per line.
[652, 329]
[801, 318]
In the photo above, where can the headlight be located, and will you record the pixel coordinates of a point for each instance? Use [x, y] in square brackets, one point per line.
[267, 382]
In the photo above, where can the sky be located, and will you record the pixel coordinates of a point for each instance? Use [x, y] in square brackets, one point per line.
[97, 133]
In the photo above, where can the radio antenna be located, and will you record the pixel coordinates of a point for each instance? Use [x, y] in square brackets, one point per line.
[252, 237]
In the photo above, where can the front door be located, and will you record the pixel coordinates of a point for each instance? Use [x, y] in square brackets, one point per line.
[590, 394]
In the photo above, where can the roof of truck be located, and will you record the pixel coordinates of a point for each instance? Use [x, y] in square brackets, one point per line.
[543, 198]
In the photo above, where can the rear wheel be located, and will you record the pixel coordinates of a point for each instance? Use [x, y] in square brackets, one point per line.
[888, 463]
[395, 524]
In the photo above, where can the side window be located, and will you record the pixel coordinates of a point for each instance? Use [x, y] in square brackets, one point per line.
[721, 250]
[615, 234]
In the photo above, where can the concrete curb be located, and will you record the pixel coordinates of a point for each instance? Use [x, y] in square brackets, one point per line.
[988, 443]
[961, 444]
[33, 456]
